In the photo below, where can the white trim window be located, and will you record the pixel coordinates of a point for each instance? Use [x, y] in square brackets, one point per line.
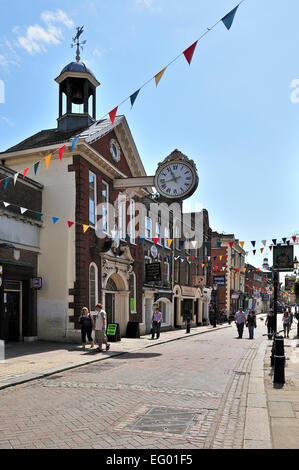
[122, 218]
[177, 237]
[148, 228]
[93, 286]
[132, 220]
[164, 307]
[92, 198]
[166, 236]
[158, 232]
[166, 272]
[105, 204]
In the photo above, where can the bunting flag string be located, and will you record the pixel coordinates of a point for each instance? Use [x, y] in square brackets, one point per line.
[188, 53]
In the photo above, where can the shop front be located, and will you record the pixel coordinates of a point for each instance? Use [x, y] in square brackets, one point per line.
[18, 318]
[187, 302]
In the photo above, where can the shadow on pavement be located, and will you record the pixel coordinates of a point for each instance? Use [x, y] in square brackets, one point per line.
[19, 349]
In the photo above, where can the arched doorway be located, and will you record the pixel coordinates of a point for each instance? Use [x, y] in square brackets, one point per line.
[116, 301]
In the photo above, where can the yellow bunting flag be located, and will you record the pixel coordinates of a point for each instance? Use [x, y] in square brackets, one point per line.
[262, 249]
[188, 258]
[47, 160]
[242, 244]
[85, 228]
[220, 257]
[169, 241]
[159, 76]
[203, 265]
[244, 269]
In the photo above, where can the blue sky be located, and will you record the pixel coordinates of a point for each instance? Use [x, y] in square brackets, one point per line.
[230, 111]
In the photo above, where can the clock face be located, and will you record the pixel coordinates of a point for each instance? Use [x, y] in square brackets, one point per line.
[176, 180]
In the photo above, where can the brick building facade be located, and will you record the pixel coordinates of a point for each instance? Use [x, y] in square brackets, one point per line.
[103, 263]
[19, 251]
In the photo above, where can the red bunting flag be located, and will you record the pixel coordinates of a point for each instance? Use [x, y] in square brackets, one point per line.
[270, 247]
[231, 244]
[70, 224]
[156, 240]
[226, 256]
[216, 267]
[188, 53]
[294, 239]
[112, 114]
[61, 150]
[25, 172]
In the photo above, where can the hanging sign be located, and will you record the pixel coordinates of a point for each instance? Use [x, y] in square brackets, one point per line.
[283, 258]
[153, 272]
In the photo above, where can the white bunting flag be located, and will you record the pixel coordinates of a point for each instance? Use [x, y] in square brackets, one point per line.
[6, 204]
[23, 210]
[15, 178]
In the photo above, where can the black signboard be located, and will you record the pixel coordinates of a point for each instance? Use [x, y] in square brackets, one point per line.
[219, 280]
[153, 272]
[283, 257]
[112, 332]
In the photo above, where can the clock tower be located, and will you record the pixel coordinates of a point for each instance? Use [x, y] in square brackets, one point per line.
[77, 93]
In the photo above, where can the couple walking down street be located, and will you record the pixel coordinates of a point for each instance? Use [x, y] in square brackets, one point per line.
[96, 321]
[241, 319]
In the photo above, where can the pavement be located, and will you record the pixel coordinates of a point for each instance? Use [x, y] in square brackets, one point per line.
[272, 410]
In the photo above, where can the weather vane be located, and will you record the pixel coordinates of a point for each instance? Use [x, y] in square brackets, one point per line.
[76, 41]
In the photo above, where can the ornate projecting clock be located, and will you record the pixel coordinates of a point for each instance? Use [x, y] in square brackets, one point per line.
[176, 177]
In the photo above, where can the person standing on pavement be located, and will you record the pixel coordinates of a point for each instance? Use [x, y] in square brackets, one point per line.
[251, 323]
[291, 317]
[87, 324]
[270, 323]
[286, 321]
[100, 327]
[240, 319]
[156, 322]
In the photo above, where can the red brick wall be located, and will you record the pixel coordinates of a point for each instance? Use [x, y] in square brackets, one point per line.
[84, 241]
[102, 146]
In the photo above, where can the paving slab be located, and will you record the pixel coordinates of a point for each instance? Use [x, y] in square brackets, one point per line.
[285, 433]
[257, 424]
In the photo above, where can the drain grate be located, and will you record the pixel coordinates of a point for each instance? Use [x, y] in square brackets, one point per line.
[166, 420]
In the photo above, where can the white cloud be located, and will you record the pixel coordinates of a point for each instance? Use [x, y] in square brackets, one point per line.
[146, 3]
[97, 53]
[37, 37]
[58, 17]
[7, 121]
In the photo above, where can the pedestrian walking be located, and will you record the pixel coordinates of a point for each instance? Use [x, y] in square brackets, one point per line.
[87, 324]
[286, 321]
[240, 319]
[291, 318]
[156, 322]
[270, 320]
[100, 327]
[251, 323]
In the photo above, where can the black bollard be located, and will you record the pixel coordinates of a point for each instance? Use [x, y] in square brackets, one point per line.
[279, 346]
[188, 325]
[273, 350]
[279, 364]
